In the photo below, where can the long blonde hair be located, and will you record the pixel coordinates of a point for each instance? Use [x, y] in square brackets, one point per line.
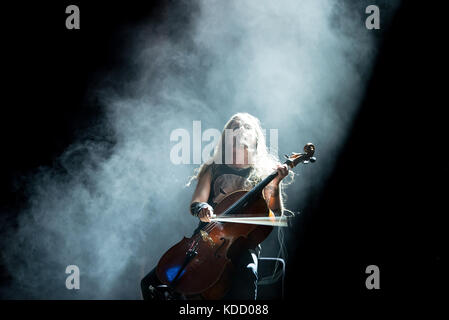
[262, 161]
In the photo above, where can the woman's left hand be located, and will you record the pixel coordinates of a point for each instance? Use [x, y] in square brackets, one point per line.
[282, 170]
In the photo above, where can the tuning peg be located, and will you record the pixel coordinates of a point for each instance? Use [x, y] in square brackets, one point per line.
[286, 156]
[312, 159]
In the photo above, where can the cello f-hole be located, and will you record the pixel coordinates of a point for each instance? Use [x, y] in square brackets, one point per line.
[221, 246]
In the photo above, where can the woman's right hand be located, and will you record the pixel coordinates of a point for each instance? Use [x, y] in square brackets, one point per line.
[206, 213]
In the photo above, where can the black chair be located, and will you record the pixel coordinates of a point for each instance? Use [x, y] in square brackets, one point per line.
[271, 277]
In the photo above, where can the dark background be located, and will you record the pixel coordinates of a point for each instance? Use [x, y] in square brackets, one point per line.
[383, 204]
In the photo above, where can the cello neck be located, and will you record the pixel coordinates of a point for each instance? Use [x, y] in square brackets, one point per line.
[291, 161]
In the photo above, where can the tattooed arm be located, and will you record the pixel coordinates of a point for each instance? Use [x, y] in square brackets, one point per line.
[272, 192]
[273, 196]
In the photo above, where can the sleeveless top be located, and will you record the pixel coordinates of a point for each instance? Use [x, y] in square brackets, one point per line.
[224, 180]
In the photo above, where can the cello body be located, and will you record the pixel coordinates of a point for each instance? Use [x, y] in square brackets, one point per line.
[207, 275]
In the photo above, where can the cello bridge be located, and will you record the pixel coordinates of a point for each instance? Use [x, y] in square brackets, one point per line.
[205, 236]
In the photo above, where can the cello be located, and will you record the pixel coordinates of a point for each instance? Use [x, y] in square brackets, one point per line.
[200, 267]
